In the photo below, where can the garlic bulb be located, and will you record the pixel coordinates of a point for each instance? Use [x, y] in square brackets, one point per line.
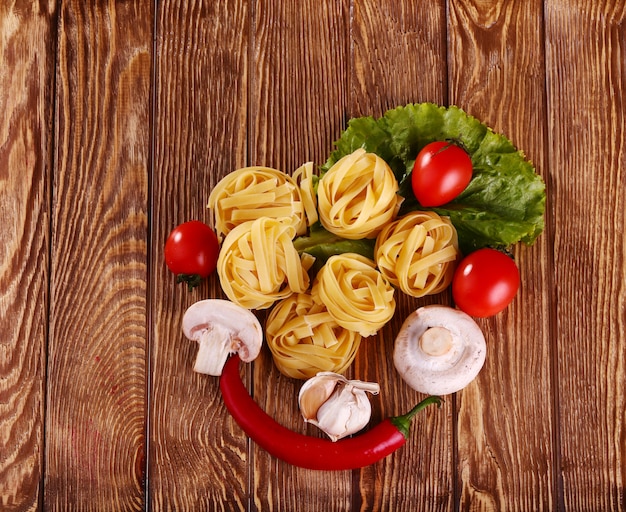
[336, 405]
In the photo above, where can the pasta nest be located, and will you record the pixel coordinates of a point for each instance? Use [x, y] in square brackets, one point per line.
[357, 196]
[418, 253]
[304, 338]
[355, 293]
[252, 192]
[259, 265]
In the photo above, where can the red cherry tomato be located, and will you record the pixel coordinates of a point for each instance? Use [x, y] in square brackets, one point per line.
[485, 282]
[191, 252]
[441, 172]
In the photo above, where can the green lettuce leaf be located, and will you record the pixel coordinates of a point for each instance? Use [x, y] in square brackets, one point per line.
[505, 201]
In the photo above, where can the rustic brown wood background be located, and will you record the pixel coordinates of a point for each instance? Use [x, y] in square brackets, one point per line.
[117, 118]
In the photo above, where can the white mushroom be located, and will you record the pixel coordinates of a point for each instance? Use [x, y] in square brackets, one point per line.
[336, 405]
[221, 328]
[439, 350]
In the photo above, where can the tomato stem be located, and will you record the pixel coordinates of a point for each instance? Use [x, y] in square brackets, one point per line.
[192, 280]
[457, 142]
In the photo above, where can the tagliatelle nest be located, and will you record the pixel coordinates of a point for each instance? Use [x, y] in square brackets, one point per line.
[259, 265]
[252, 192]
[357, 196]
[356, 294]
[304, 338]
[418, 253]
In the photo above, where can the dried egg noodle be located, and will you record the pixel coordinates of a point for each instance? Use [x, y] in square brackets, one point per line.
[303, 177]
[304, 339]
[417, 253]
[355, 293]
[259, 265]
[357, 196]
[253, 192]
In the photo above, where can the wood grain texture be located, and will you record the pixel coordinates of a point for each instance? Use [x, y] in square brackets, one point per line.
[96, 378]
[26, 88]
[300, 63]
[497, 73]
[118, 118]
[586, 90]
[198, 458]
[399, 57]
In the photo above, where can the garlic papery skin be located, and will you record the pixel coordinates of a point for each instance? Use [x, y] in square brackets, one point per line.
[315, 391]
[336, 405]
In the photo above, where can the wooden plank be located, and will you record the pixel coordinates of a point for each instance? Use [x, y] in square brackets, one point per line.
[198, 458]
[399, 57]
[300, 73]
[586, 44]
[26, 80]
[505, 422]
[95, 421]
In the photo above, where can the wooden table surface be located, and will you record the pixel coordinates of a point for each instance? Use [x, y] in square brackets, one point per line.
[118, 118]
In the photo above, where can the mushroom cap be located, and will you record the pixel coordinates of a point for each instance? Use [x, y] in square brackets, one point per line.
[447, 358]
[239, 327]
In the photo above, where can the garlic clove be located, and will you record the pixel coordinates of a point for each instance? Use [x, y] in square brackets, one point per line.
[336, 405]
[315, 391]
[344, 413]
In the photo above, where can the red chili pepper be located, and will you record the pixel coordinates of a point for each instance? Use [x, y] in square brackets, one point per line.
[306, 451]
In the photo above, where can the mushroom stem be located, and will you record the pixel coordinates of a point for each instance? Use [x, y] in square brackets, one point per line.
[214, 348]
[436, 341]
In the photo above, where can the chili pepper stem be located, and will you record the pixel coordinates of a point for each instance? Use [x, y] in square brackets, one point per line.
[403, 422]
